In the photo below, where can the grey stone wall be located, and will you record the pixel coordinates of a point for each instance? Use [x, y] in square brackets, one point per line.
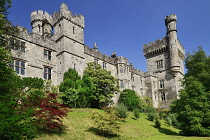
[68, 50]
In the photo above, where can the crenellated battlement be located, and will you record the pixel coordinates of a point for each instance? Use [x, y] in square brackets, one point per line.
[153, 48]
[65, 13]
[137, 71]
[40, 15]
[35, 38]
[171, 17]
[121, 59]
[97, 54]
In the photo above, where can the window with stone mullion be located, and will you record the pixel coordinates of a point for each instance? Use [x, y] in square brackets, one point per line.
[47, 73]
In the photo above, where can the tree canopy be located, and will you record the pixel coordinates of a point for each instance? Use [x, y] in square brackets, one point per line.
[105, 85]
[193, 107]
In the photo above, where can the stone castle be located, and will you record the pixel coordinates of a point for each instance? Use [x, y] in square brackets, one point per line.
[56, 44]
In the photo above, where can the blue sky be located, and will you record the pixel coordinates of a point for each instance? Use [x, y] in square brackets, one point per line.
[124, 26]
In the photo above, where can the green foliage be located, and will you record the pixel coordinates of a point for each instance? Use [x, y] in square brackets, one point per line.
[4, 6]
[162, 113]
[106, 123]
[193, 107]
[168, 120]
[171, 119]
[150, 109]
[157, 123]
[69, 80]
[77, 92]
[122, 110]
[29, 83]
[136, 113]
[70, 97]
[152, 116]
[130, 99]
[105, 85]
[15, 123]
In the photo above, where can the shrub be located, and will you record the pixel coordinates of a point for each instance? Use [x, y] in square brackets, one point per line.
[150, 109]
[106, 123]
[168, 120]
[174, 121]
[130, 99]
[157, 123]
[152, 116]
[122, 110]
[48, 112]
[136, 113]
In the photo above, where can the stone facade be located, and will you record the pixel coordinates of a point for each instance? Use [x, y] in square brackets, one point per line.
[56, 44]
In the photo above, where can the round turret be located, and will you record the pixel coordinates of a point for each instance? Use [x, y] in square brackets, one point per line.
[171, 17]
[170, 22]
[41, 20]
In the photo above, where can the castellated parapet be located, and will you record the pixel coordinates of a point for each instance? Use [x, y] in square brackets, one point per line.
[40, 15]
[49, 55]
[98, 55]
[154, 48]
[65, 13]
[171, 17]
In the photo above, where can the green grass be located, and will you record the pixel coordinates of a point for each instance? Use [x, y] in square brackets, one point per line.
[80, 127]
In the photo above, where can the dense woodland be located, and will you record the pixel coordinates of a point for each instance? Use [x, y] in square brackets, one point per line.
[31, 106]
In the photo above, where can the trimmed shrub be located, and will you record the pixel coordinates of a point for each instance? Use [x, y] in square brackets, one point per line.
[157, 123]
[130, 99]
[150, 109]
[122, 110]
[152, 116]
[168, 120]
[174, 121]
[106, 123]
[136, 113]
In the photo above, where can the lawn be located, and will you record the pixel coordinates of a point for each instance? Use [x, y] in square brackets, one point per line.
[79, 126]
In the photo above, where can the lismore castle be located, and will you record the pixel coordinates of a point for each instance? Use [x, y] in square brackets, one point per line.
[56, 44]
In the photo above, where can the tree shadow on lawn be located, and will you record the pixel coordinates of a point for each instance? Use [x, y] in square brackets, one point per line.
[167, 131]
[96, 132]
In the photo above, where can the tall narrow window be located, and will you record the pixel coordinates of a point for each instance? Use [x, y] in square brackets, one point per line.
[96, 61]
[47, 73]
[163, 96]
[121, 69]
[161, 83]
[104, 65]
[133, 88]
[159, 64]
[18, 66]
[121, 84]
[132, 76]
[74, 65]
[73, 30]
[47, 54]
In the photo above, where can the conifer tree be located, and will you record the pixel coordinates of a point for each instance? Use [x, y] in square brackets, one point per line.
[193, 107]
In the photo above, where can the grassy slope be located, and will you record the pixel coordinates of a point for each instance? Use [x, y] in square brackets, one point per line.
[79, 124]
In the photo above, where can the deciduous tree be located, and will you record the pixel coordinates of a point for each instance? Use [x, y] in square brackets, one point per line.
[105, 85]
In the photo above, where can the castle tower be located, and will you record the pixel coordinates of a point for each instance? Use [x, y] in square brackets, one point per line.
[69, 40]
[170, 23]
[41, 22]
[165, 66]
